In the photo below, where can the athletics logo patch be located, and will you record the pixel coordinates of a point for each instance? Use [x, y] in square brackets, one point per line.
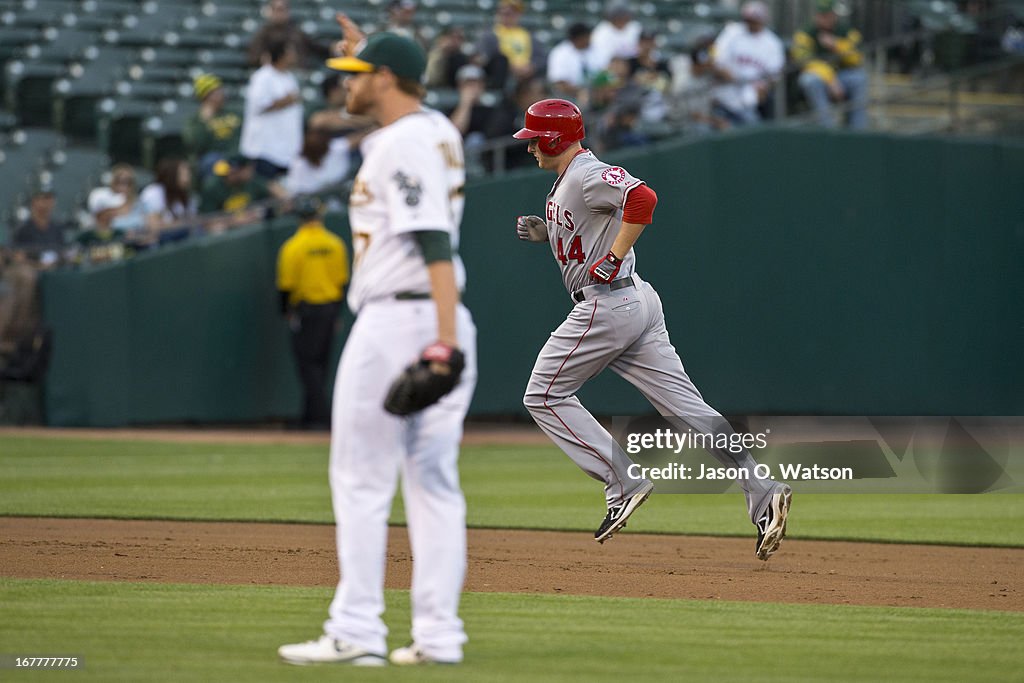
[616, 175]
[410, 187]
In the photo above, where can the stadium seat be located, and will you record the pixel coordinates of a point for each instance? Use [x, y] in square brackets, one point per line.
[155, 90]
[162, 134]
[58, 46]
[12, 40]
[163, 55]
[23, 155]
[212, 60]
[157, 74]
[28, 90]
[119, 127]
[74, 103]
[72, 173]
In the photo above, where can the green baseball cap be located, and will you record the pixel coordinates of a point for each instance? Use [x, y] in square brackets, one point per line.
[401, 55]
[825, 5]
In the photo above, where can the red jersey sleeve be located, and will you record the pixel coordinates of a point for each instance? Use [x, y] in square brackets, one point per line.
[639, 207]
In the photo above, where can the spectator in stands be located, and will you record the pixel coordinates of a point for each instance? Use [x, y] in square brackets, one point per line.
[507, 50]
[323, 163]
[696, 97]
[272, 129]
[509, 116]
[280, 27]
[470, 115]
[170, 206]
[619, 128]
[445, 58]
[618, 35]
[402, 20]
[747, 61]
[232, 189]
[130, 217]
[213, 131]
[334, 119]
[570, 65]
[40, 237]
[104, 242]
[612, 84]
[1012, 40]
[832, 67]
[648, 67]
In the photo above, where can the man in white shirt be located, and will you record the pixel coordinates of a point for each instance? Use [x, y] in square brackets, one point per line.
[747, 60]
[272, 129]
[569, 64]
[617, 36]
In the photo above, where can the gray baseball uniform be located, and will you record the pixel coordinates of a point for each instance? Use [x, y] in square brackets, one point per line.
[619, 326]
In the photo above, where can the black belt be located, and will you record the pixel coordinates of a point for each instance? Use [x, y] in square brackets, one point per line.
[412, 296]
[419, 296]
[623, 282]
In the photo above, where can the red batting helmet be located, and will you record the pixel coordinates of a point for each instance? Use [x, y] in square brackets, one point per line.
[556, 123]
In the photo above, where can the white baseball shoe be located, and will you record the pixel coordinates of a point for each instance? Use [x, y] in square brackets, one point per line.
[327, 650]
[412, 655]
[771, 528]
[617, 516]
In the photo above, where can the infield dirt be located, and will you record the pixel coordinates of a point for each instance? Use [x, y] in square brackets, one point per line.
[630, 565]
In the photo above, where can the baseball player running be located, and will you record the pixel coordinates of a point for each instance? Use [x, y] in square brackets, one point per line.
[405, 209]
[593, 216]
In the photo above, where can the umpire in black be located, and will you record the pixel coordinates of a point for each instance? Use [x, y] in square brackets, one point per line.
[312, 271]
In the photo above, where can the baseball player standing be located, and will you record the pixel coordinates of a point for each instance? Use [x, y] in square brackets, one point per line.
[593, 216]
[405, 209]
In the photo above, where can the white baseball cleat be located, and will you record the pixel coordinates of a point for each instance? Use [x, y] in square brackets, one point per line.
[771, 528]
[327, 650]
[411, 655]
[617, 516]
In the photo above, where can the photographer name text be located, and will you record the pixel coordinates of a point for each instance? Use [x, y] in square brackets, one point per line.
[786, 471]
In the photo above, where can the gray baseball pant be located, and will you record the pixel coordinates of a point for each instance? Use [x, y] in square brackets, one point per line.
[623, 330]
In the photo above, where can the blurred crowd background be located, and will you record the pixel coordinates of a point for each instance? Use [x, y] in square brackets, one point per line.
[129, 125]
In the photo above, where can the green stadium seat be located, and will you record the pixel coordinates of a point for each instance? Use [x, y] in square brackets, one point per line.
[12, 41]
[43, 14]
[192, 40]
[113, 7]
[162, 134]
[212, 60]
[442, 99]
[157, 74]
[60, 46]
[73, 173]
[119, 127]
[74, 103]
[28, 90]
[146, 90]
[7, 122]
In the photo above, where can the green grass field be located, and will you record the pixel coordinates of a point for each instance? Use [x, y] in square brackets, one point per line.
[161, 632]
[79, 478]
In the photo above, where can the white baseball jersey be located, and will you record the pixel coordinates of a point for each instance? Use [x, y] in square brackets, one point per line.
[584, 214]
[411, 179]
[749, 57]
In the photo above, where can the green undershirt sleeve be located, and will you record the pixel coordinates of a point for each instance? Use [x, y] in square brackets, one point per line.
[436, 245]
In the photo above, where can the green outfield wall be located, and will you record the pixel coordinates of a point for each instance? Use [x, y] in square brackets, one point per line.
[831, 273]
